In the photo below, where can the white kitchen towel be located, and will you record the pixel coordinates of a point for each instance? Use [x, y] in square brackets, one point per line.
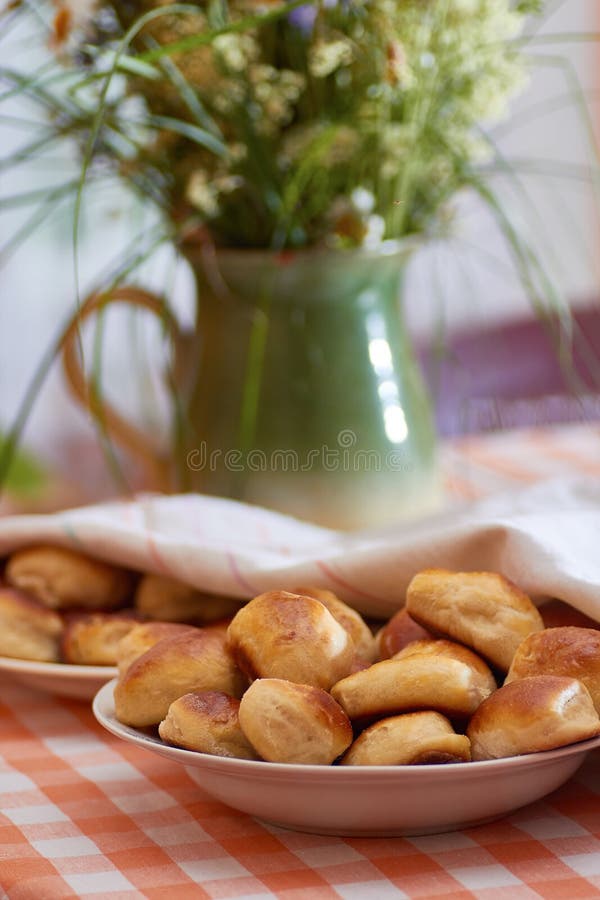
[546, 538]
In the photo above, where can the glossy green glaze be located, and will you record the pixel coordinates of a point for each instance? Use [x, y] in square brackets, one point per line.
[303, 391]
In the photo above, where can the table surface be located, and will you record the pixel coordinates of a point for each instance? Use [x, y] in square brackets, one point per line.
[83, 814]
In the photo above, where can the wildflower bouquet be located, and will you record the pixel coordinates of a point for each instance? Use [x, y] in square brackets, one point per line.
[268, 125]
[291, 124]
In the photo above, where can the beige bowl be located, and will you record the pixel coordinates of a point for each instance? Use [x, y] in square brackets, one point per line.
[366, 800]
[61, 679]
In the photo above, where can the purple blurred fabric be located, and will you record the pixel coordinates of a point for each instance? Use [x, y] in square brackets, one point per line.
[510, 377]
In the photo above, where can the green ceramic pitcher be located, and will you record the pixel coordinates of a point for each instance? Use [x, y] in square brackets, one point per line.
[298, 389]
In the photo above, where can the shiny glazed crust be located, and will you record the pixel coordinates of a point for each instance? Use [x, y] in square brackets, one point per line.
[452, 650]
[64, 579]
[91, 639]
[570, 651]
[349, 618]
[196, 660]
[538, 713]
[283, 635]
[400, 631]
[417, 682]
[420, 738]
[293, 723]
[207, 722]
[143, 636]
[28, 629]
[483, 610]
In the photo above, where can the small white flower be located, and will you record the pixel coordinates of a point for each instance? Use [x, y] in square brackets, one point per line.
[326, 57]
[236, 50]
[375, 231]
[201, 193]
[362, 200]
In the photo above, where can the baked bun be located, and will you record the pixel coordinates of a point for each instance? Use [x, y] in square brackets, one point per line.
[207, 722]
[570, 651]
[28, 629]
[483, 610]
[196, 660]
[398, 632]
[417, 682]
[143, 636]
[91, 639]
[289, 636]
[532, 714]
[168, 600]
[294, 723]
[556, 613]
[454, 651]
[64, 579]
[419, 738]
[350, 619]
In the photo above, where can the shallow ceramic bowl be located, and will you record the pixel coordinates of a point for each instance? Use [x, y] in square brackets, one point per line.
[365, 800]
[61, 679]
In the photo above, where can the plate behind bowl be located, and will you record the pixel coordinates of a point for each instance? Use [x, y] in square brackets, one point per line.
[62, 679]
[365, 800]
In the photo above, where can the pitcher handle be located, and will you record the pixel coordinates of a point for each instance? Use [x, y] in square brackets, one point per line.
[129, 436]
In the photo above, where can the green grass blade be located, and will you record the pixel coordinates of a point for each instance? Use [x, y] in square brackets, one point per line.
[192, 132]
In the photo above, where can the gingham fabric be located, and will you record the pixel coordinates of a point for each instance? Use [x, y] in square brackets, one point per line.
[83, 814]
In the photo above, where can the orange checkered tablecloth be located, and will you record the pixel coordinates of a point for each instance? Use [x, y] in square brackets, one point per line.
[83, 814]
